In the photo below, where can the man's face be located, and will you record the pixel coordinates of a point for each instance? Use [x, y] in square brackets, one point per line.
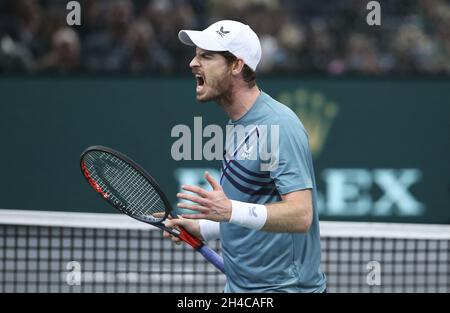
[212, 73]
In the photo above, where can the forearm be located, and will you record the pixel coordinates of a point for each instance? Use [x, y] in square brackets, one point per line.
[292, 214]
[286, 216]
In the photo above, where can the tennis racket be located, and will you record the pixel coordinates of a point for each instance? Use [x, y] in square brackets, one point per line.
[129, 188]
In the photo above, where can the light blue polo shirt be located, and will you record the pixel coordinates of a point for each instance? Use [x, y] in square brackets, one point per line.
[258, 261]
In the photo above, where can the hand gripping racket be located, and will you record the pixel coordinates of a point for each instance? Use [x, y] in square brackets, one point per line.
[129, 188]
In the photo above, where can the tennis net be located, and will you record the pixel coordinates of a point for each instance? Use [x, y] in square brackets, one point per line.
[89, 252]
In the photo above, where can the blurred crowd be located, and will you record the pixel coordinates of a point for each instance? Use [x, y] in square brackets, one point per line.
[298, 36]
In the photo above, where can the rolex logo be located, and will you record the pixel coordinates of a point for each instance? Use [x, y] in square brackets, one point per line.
[315, 111]
[222, 32]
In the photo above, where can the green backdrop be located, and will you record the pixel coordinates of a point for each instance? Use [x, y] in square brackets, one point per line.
[381, 146]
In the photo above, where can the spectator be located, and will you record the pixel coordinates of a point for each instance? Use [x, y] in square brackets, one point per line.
[167, 20]
[292, 38]
[65, 54]
[414, 50]
[14, 57]
[144, 54]
[362, 55]
[307, 36]
[106, 50]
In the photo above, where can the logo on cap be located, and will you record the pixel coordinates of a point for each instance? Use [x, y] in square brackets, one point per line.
[222, 32]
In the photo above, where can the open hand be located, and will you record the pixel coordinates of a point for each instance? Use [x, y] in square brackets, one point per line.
[211, 205]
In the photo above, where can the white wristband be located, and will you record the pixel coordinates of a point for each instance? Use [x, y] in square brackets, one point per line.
[248, 215]
[209, 230]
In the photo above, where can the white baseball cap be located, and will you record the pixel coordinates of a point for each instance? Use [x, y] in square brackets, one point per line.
[226, 35]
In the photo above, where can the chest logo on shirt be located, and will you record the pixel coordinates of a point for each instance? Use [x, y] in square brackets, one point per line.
[262, 143]
[247, 153]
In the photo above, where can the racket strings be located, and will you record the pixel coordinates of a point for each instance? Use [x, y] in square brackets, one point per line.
[124, 185]
[135, 189]
[141, 193]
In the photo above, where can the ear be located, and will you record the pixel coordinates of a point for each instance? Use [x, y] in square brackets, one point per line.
[237, 67]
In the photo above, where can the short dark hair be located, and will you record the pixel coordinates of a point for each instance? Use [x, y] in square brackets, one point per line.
[248, 74]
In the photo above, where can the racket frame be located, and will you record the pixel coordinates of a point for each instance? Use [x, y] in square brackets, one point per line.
[180, 233]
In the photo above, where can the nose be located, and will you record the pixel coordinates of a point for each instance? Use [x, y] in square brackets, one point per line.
[194, 62]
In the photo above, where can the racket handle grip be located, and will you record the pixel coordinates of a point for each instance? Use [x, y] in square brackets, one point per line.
[198, 245]
[212, 257]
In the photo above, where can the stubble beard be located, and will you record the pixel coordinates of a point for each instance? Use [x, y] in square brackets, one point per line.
[221, 90]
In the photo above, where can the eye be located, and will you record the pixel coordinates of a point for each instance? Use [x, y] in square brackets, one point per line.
[206, 55]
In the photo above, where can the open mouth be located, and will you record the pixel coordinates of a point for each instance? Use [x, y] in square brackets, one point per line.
[200, 82]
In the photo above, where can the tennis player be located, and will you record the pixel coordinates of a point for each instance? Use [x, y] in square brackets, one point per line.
[265, 216]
